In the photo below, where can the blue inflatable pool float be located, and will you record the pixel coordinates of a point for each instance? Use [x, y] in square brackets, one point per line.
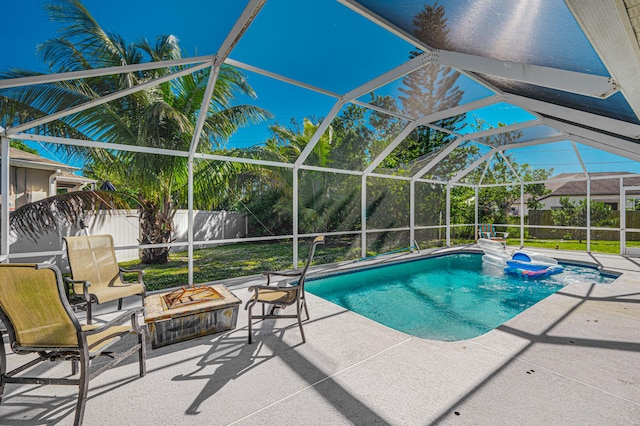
[523, 265]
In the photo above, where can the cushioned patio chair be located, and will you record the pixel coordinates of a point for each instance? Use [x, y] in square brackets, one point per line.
[488, 231]
[95, 274]
[281, 297]
[39, 320]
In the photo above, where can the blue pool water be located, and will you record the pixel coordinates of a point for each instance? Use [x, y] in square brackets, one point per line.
[452, 297]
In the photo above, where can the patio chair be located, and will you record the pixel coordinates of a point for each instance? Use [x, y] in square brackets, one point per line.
[39, 320]
[96, 276]
[488, 231]
[281, 297]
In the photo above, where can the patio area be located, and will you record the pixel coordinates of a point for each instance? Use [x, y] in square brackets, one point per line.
[570, 359]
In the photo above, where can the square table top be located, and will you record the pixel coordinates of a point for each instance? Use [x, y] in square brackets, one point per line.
[156, 309]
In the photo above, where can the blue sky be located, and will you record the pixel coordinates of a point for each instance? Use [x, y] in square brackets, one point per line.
[321, 43]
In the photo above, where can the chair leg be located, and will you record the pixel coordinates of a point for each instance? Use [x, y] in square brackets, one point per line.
[74, 367]
[306, 311]
[89, 303]
[142, 353]
[300, 322]
[3, 365]
[249, 323]
[120, 304]
[83, 386]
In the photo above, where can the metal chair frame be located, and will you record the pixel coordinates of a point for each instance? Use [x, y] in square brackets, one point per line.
[281, 297]
[81, 354]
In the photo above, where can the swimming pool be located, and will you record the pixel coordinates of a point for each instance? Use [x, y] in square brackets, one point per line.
[450, 297]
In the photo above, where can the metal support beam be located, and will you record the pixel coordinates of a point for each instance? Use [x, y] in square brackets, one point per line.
[195, 138]
[393, 145]
[247, 16]
[451, 112]
[607, 26]
[412, 213]
[508, 163]
[190, 221]
[584, 168]
[473, 165]
[99, 72]
[533, 143]
[391, 75]
[448, 215]
[623, 217]
[595, 121]
[476, 194]
[521, 214]
[319, 132]
[4, 188]
[439, 157]
[588, 214]
[569, 81]
[279, 77]
[104, 99]
[476, 136]
[296, 218]
[363, 217]
[151, 150]
[612, 144]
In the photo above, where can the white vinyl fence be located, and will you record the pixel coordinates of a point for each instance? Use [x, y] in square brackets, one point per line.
[124, 227]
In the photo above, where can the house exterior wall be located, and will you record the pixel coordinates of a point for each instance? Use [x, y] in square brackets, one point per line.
[28, 185]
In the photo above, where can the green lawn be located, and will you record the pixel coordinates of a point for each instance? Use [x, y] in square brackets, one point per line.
[236, 260]
[612, 247]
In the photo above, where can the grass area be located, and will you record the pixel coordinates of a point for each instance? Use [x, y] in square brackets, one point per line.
[234, 260]
[243, 259]
[612, 247]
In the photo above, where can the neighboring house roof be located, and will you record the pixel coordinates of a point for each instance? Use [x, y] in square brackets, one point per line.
[566, 184]
[19, 158]
[574, 184]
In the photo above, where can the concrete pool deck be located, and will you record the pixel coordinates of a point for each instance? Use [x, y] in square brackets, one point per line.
[571, 359]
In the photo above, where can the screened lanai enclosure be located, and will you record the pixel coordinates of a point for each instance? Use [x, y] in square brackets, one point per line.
[384, 125]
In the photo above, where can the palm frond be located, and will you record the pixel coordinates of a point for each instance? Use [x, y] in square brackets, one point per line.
[36, 218]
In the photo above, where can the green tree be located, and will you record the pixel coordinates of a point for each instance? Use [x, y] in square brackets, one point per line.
[161, 117]
[574, 214]
[428, 90]
[17, 144]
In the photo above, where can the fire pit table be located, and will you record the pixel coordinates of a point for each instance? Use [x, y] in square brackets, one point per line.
[189, 312]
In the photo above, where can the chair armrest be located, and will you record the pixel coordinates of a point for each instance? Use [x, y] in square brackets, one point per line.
[268, 274]
[140, 272]
[502, 235]
[85, 287]
[255, 288]
[133, 313]
[72, 281]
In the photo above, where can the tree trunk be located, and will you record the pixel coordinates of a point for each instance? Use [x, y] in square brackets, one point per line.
[156, 227]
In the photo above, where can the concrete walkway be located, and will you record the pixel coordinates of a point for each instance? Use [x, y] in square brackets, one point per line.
[572, 359]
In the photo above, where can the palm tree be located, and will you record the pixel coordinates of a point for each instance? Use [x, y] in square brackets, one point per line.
[324, 199]
[161, 117]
